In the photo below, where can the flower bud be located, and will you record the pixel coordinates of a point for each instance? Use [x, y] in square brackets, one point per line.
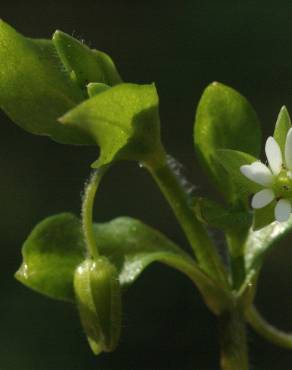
[98, 298]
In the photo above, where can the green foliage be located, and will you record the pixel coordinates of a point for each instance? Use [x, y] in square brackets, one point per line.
[98, 297]
[123, 121]
[55, 248]
[216, 215]
[282, 127]
[51, 254]
[35, 89]
[224, 120]
[41, 80]
[95, 88]
[83, 64]
[232, 160]
[75, 95]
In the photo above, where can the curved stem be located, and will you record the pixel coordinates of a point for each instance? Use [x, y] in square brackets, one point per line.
[202, 246]
[87, 211]
[266, 330]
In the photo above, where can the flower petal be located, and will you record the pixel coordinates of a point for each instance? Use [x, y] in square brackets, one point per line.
[262, 198]
[274, 155]
[282, 210]
[288, 150]
[258, 173]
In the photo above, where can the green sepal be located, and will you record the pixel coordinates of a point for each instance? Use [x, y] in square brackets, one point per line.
[282, 127]
[216, 215]
[232, 160]
[83, 64]
[98, 298]
[35, 90]
[123, 121]
[48, 266]
[264, 216]
[95, 88]
[224, 120]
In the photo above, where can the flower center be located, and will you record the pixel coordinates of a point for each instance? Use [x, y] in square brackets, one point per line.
[283, 185]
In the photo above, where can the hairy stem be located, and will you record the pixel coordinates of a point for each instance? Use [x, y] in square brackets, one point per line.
[87, 211]
[266, 330]
[232, 332]
[203, 248]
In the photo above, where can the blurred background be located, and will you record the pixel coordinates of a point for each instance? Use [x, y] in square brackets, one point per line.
[182, 45]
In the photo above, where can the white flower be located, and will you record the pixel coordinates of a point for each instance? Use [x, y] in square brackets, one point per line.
[275, 178]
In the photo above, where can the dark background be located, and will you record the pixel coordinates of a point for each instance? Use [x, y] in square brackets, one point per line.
[182, 45]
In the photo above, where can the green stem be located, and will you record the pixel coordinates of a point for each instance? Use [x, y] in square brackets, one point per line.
[232, 331]
[269, 332]
[87, 211]
[203, 248]
[235, 241]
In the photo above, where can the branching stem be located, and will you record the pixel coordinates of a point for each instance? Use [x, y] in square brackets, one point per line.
[266, 330]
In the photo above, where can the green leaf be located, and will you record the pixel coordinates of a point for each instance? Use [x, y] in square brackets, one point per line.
[98, 297]
[34, 87]
[95, 88]
[224, 120]
[282, 127]
[83, 64]
[214, 214]
[260, 242]
[232, 160]
[123, 121]
[51, 254]
[55, 248]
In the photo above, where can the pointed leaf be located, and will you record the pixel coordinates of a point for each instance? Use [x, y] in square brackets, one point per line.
[34, 88]
[123, 121]
[224, 120]
[282, 127]
[83, 64]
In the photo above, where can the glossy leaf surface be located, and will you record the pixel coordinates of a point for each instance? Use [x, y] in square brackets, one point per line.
[123, 121]
[51, 254]
[34, 87]
[55, 248]
[224, 120]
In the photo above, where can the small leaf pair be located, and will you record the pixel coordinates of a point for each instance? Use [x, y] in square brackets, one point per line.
[50, 80]
[55, 77]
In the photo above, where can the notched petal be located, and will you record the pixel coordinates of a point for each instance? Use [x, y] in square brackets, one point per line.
[262, 198]
[258, 173]
[274, 155]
